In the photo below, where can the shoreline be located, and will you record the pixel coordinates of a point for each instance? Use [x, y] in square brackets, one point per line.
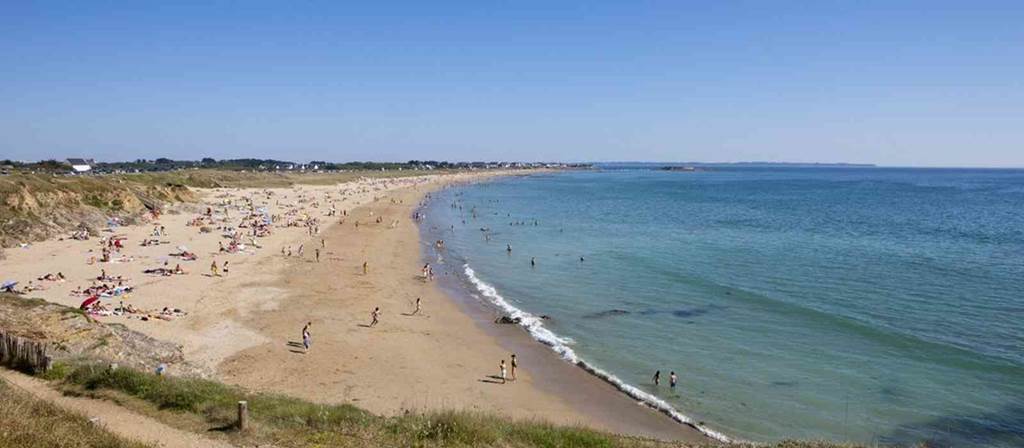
[616, 405]
[244, 326]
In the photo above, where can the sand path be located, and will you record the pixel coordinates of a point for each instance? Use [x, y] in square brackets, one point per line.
[114, 418]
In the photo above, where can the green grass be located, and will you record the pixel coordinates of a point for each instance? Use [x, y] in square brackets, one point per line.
[202, 406]
[290, 422]
[28, 422]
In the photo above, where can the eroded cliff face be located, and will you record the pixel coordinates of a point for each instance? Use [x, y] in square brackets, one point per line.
[71, 335]
[34, 209]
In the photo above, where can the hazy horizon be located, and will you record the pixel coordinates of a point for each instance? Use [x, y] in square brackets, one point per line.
[913, 83]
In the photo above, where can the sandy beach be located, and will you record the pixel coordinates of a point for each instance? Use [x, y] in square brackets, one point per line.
[244, 325]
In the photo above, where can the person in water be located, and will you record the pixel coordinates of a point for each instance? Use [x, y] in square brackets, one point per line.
[657, 378]
[672, 380]
[508, 248]
[533, 261]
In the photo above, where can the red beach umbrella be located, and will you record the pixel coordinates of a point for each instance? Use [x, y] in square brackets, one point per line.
[85, 304]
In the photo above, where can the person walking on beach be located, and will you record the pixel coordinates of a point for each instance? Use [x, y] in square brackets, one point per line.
[672, 380]
[213, 270]
[657, 378]
[375, 315]
[417, 310]
[514, 364]
[307, 337]
[364, 268]
[501, 366]
[225, 268]
[317, 255]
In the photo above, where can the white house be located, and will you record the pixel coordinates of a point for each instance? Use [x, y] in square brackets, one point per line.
[81, 165]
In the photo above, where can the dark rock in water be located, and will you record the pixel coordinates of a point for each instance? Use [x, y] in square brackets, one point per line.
[507, 320]
[606, 313]
[691, 312]
[545, 317]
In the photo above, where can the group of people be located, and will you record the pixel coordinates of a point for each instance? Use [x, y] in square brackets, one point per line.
[672, 379]
[514, 363]
[307, 337]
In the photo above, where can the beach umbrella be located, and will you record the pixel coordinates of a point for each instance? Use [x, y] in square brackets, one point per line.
[85, 304]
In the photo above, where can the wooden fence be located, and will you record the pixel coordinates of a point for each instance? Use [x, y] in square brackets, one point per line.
[23, 354]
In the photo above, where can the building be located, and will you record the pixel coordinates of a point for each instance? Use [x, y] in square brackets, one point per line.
[81, 165]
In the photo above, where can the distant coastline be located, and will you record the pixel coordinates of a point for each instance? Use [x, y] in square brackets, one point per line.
[698, 165]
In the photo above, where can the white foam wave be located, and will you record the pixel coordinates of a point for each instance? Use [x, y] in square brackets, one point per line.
[560, 344]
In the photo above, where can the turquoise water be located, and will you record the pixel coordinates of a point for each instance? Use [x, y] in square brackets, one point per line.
[873, 305]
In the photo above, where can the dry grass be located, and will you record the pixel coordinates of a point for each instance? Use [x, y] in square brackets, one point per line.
[28, 422]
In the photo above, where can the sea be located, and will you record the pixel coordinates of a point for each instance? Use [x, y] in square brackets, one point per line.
[874, 305]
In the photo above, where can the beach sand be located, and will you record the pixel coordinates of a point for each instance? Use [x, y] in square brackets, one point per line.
[245, 326]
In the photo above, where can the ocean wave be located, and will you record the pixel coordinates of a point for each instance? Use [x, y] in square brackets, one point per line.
[561, 345]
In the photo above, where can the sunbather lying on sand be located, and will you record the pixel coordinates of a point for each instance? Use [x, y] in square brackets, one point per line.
[58, 277]
[185, 255]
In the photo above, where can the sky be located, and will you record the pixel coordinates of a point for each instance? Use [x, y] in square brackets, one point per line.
[916, 83]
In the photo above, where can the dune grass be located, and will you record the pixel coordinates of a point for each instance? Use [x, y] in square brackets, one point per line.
[290, 422]
[28, 422]
[210, 407]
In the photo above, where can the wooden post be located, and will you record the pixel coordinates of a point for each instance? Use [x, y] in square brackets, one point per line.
[243, 415]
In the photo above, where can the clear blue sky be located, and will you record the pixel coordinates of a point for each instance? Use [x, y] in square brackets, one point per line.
[930, 83]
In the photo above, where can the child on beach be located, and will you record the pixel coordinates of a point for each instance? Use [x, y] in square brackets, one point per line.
[375, 315]
[501, 366]
[307, 338]
[213, 270]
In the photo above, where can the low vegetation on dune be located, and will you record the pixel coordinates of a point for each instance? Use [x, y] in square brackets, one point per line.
[210, 407]
[35, 207]
[28, 422]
